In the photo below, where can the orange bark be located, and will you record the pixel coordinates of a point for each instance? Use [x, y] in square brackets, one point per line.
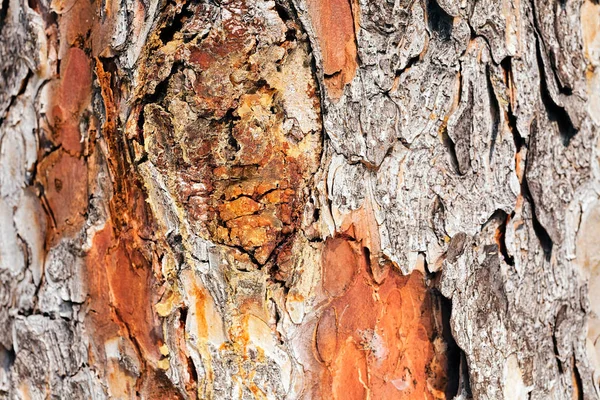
[333, 21]
[380, 339]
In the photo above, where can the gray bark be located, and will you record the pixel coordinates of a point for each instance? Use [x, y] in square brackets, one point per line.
[459, 139]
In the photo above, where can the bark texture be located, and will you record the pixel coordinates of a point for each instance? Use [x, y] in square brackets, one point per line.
[316, 199]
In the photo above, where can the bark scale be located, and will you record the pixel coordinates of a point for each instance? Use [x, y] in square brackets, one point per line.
[299, 199]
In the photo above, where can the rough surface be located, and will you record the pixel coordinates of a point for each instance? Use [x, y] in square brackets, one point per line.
[299, 199]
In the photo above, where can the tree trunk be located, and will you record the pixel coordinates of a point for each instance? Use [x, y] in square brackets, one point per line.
[316, 199]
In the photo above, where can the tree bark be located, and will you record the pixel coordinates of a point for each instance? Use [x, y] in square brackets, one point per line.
[316, 199]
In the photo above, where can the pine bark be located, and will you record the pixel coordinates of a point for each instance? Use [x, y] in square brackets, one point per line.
[299, 199]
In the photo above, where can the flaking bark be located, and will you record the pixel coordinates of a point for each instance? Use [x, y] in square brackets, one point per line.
[299, 199]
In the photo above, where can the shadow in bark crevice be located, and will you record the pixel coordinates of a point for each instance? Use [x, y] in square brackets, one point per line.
[439, 21]
[494, 112]
[3, 13]
[541, 232]
[556, 113]
[457, 371]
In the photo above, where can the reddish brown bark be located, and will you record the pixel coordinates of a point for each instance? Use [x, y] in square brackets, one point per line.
[378, 332]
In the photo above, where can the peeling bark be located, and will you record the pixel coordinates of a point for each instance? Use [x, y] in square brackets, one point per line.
[299, 199]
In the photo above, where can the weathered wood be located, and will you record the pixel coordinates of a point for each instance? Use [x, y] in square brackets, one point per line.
[299, 199]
